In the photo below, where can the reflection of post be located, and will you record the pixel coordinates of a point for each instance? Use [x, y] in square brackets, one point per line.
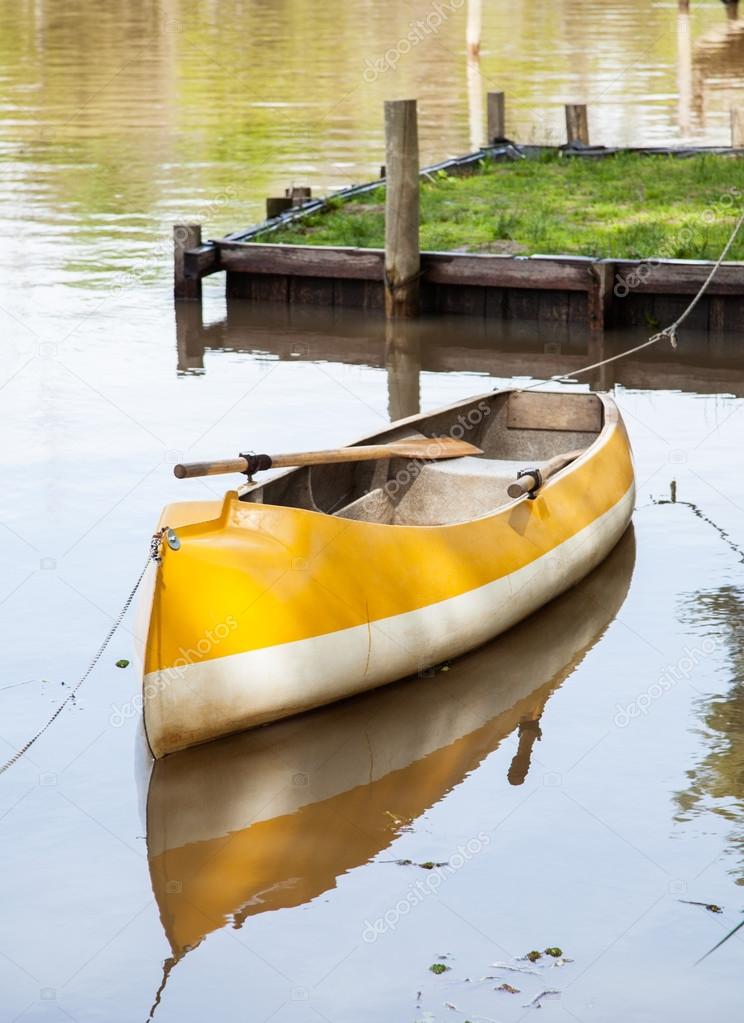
[189, 341]
[684, 67]
[732, 9]
[602, 378]
[473, 30]
[737, 127]
[403, 360]
[475, 101]
[529, 731]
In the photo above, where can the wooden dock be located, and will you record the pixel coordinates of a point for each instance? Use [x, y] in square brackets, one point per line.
[551, 288]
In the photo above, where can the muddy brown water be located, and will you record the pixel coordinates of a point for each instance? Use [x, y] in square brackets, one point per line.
[579, 777]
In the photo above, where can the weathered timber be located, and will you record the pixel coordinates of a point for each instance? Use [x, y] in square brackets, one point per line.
[185, 287]
[305, 260]
[276, 205]
[202, 260]
[676, 277]
[402, 262]
[298, 194]
[496, 117]
[568, 274]
[599, 295]
[577, 124]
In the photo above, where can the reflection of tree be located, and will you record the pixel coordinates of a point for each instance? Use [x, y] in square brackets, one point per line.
[717, 781]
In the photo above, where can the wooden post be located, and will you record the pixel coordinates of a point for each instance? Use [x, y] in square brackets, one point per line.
[496, 117]
[276, 205]
[185, 236]
[577, 123]
[402, 258]
[683, 6]
[298, 194]
[599, 295]
[737, 127]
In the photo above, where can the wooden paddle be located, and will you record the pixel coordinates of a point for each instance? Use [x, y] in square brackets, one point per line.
[424, 448]
[528, 483]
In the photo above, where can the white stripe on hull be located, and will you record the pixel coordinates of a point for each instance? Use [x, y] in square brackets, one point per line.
[197, 702]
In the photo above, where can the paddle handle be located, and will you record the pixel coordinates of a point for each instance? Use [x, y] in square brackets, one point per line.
[526, 484]
[427, 448]
[188, 470]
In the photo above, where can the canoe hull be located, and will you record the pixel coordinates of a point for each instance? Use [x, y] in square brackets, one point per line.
[375, 603]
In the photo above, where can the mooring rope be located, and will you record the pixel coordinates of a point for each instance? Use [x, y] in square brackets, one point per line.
[153, 555]
[668, 333]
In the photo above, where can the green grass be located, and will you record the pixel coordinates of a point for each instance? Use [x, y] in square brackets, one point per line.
[625, 206]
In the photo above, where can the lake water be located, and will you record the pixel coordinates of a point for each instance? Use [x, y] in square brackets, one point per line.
[582, 776]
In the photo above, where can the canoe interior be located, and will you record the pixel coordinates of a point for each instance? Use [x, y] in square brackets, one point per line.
[514, 429]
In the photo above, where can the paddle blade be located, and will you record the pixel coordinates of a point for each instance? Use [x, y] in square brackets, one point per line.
[432, 448]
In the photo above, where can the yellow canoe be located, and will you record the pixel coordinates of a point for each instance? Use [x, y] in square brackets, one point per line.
[330, 580]
[269, 819]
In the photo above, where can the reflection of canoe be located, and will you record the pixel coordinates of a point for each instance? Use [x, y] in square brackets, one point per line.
[328, 581]
[270, 818]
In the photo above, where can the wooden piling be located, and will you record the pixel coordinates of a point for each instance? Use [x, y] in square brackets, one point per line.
[185, 236]
[496, 114]
[599, 295]
[577, 123]
[737, 127]
[276, 204]
[402, 257]
[298, 194]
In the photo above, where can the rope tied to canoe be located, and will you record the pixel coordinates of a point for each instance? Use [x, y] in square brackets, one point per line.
[152, 555]
[667, 334]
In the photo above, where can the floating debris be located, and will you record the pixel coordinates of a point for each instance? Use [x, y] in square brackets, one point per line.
[438, 968]
[509, 966]
[710, 906]
[533, 956]
[561, 961]
[426, 865]
[550, 992]
[554, 951]
[123, 663]
[507, 987]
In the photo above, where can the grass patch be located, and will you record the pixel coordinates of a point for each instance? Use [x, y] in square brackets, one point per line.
[627, 206]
